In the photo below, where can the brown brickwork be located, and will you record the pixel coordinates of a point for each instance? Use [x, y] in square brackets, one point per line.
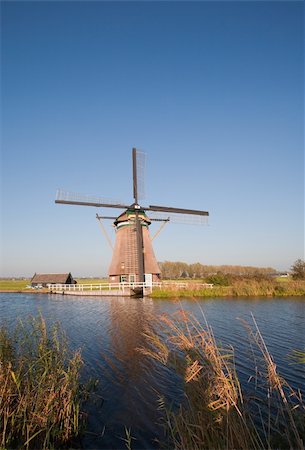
[125, 257]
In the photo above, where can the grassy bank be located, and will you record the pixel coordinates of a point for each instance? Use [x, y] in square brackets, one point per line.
[40, 392]
[16, 285]
[216, 413]
[13, 285]
[239, 288]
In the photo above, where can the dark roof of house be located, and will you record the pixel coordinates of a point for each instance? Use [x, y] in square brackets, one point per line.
[60, 278]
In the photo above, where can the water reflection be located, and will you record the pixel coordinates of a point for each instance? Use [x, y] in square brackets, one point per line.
[130, 382]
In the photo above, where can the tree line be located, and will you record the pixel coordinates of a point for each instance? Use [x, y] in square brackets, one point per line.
[298, 270]
[178, 269]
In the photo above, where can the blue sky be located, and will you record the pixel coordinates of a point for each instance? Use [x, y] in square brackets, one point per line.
[212, 92]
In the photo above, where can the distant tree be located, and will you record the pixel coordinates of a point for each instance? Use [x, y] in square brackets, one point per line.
[196, 270]
[219, 279]
[258, 275]
[177, 269]
[298, 270]
[181, 269]
[166, 269]
[173, 270]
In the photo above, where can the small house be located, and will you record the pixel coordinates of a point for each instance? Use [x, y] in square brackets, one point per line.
[44, 279]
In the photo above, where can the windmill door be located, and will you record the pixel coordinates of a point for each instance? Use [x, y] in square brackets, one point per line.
[132, 279]
[148, 279]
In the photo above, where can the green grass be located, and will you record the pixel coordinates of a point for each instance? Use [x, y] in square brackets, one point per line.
[40, 392]
[92, 280]
[283, 279]
[14, 285]
[19, 285]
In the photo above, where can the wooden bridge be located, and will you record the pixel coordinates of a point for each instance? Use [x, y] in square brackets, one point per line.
[104, 289]
[123, 289]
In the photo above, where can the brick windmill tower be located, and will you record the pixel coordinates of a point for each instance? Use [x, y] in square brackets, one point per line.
[133, 258]
[125, 260]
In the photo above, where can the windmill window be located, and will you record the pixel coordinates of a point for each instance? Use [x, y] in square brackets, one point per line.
[123, 278]
[122, 265]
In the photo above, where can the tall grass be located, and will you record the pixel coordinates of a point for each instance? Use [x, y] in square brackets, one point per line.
[216, 414]
[40, 392]
[238, 288]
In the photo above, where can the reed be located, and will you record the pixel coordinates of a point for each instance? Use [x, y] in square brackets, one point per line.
[238, 288]
[215, 413]
[40, 391]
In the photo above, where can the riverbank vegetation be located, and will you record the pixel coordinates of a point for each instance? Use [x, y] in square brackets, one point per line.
[188, 280]
[40, 390]
[230, 287]
[215, 413]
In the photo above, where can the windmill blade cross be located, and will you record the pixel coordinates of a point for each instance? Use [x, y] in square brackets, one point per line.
[187, 219]
[168, 209]
[71, 198]
[138, 168]
[138, 164]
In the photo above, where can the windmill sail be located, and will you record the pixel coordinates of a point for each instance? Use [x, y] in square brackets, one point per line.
[194, 212]
[178, 215]
[72, 198]
[138, 164]
[187, 219]
[138, 169]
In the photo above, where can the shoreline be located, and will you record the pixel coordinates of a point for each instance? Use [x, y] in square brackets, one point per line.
[22, 291]
[174, 295]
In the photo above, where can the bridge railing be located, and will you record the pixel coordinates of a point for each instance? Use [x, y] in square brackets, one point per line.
[126, 285]
[186, 285]
[100, 286]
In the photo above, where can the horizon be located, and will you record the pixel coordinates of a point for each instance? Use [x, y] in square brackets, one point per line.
[159, 262]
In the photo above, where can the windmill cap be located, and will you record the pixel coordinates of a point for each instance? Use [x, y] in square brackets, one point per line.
[130, 214]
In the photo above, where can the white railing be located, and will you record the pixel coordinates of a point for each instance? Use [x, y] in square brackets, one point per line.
[125, 285]
[100, 287]
[186, 284]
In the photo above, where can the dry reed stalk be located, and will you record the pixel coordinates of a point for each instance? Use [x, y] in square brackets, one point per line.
[40, 392]
[214, 414]
[278, 384]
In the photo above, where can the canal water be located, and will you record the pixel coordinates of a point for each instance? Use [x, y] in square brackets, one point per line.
[109, 332]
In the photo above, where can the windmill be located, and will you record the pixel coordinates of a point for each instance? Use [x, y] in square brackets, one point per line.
[133, 258]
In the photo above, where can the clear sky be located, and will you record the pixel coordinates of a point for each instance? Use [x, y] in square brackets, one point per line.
[212, 92]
